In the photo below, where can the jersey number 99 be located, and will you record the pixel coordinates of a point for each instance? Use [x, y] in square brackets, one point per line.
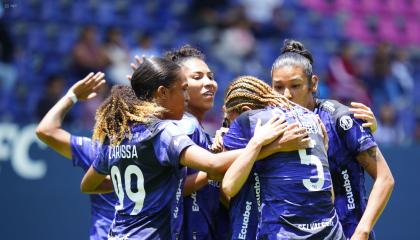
[136, 197]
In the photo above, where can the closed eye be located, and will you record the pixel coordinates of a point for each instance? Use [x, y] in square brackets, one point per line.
[210, 75]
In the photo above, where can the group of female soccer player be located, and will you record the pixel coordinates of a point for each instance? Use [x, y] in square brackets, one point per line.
[149, 147]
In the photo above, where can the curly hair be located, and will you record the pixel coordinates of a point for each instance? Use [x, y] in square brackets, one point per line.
[254, 93]
[121, 109]
[183, 53]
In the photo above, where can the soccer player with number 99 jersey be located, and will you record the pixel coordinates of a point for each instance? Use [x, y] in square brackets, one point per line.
[146, 175]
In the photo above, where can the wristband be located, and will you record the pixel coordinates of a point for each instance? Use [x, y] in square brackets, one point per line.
[72, 96]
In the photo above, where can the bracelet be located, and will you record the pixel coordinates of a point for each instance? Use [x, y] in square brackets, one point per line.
[72, 96]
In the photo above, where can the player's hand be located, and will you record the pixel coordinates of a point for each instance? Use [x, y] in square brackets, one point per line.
[87, 88]
[134, 66]
[363, 112]
[268, 132]
[293, 138]
[217, 145]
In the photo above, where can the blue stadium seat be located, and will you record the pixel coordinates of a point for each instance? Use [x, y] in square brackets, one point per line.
[139, 18]
[105, 13]
[80, 13]
[323, 6]
[66, 39]
[331, 28]
[36, 38]
[301, 26]
[267, 52]
[51, 11]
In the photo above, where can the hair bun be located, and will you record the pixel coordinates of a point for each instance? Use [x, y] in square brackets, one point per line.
[294, 46]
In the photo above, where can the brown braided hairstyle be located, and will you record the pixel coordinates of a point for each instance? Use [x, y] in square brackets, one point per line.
[254, 93]
[116, 114]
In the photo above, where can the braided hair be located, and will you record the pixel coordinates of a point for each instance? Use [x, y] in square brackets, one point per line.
[254, 93]
[116, 114]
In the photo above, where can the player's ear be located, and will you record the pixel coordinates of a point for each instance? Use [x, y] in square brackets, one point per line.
[314, 83]
[162, 92]
[245, 108]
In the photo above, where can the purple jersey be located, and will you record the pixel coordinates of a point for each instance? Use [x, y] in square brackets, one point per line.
[347, 138]
[202, 209]
[295, 186]
[245, 206]
[147, 179]
[102, 205]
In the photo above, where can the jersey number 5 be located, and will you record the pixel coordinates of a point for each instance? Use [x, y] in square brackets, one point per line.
[314, 160]
[136, 197]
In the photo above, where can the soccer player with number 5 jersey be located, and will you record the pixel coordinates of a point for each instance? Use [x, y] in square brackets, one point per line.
[296, 187]
[351, 150]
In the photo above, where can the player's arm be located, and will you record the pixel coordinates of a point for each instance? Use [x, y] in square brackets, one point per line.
[292, 139]
[194, 182]
[374, 163]
[94, 182]
[217, 164]
[363, 112]
[238, 172]
[50, 129]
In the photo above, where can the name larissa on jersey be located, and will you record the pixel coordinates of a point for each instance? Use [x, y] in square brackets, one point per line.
[122, 151]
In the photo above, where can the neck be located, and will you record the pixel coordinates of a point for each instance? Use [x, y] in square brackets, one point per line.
[311, 103]
[198, 114]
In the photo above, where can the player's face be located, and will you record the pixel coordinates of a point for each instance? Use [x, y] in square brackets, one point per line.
[291, 82]
[177, 98]
[201, 85]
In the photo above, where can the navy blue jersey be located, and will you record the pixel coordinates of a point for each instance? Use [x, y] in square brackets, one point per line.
[295, 186]
[347, 138]
[245, 206]
[83, 153]
[202, 209]
[147, 179]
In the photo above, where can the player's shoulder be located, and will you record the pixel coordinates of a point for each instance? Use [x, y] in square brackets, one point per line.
[339, 112]
[170, 127]
[299, 110]
[157, 127]
[188, 124]
[244, 117]
[264, 113]
[333, 107]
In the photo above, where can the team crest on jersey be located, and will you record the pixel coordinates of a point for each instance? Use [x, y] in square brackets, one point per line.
[346, 122]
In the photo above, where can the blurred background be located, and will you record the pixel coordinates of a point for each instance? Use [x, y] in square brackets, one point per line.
[364, 50]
